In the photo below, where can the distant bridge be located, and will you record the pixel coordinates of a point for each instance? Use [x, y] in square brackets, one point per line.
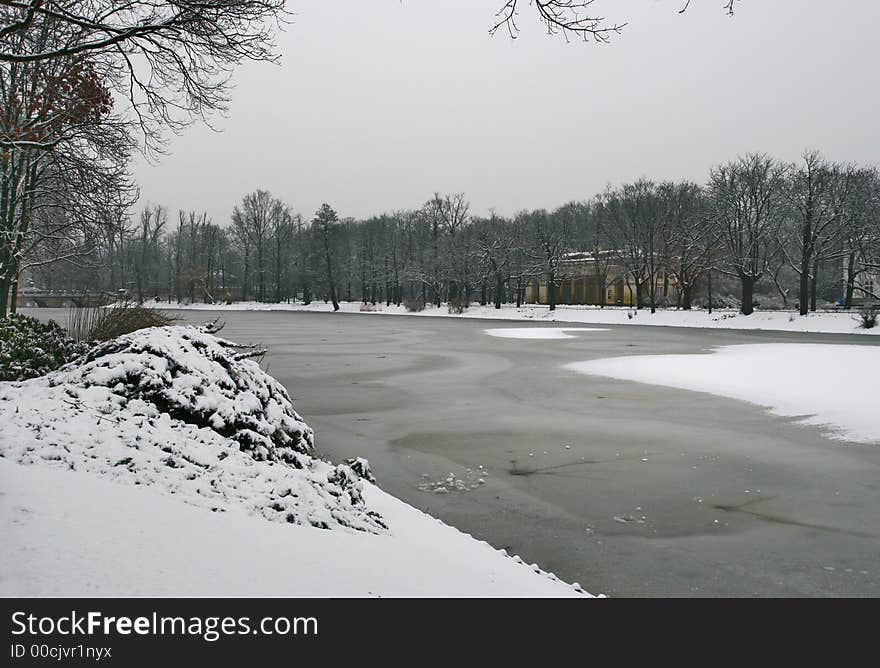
[62, 300]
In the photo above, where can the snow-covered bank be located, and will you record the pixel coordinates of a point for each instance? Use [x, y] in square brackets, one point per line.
[152, 465]
[784, 321]
[70, 534]
[835, 386]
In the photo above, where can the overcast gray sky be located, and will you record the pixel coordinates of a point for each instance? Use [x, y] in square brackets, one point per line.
[379, 103]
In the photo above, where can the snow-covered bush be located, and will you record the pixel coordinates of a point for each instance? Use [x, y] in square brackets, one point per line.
[30, 348]
[868, 318]
[182, 409]
[202, 380]
[414, 305]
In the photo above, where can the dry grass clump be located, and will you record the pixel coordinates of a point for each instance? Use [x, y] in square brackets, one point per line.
[98, 323]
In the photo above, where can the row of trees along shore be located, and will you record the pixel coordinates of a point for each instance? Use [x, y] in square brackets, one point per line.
[803, 233]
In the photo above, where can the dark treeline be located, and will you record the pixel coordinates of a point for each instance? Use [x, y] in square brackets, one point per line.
[804, 233]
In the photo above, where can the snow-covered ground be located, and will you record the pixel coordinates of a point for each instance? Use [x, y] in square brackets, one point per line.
[68, 533]
[834, 386]
[168, 462]
[787, 321]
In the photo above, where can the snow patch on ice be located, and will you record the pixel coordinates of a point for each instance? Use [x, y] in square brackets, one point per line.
[835, 385]
[539, 332]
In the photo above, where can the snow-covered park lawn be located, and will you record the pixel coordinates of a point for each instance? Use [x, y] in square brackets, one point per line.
[168, 462]
[835, 386]
[787, 321]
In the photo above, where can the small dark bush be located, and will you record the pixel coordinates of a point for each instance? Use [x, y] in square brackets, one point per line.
[719, 302]
[30, 348]
[458, 305]
[414, 305]
[102, 324]
[868, 318]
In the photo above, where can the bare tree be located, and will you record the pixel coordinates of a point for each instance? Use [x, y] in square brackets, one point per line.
[495, 245]
[449, 217]
[688, 236]
[637, 236]
[152, 222]
[170, 60]
[748, 201]
[253, 221]
[60, 146]
[861, 224]
[549, 246]
[816, 194]
[570, 18]
[281, 228]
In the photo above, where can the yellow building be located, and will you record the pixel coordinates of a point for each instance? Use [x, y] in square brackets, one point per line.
[580, 281]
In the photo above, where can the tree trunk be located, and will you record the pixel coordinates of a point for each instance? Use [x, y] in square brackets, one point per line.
[499, 290]
[710, 292]
[13, 290]
[804, 290]
[4, 294]
[813, 280]
[687, 297]
[850, 281]
[748, 293]
[244, 283]
[330, 280]
[806, 261]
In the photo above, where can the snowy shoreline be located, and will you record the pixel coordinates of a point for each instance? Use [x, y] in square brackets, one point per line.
[68, 533]
[781, 321]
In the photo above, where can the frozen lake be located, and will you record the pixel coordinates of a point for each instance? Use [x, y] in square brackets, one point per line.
[629, 489]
